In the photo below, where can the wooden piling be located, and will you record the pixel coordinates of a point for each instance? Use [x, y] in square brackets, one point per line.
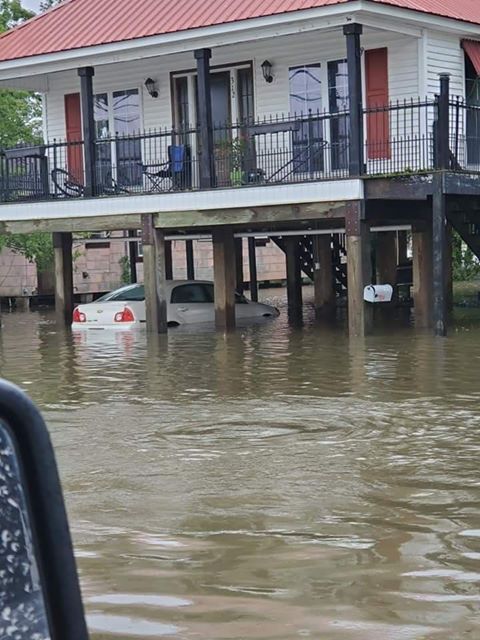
[62, 249]
[294, 278]
[168, 260]
[252, 265]
[359, 271]
[190, 259]
[402, 243]
[422, 274]
[240, 286]
[449, 270]
[439, 224]
[323, 276]
[386, 257]
[133, 256]
[224, 277]
[154, 275]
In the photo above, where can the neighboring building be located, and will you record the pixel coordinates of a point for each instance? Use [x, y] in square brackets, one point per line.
[99, 267]
[279, 112]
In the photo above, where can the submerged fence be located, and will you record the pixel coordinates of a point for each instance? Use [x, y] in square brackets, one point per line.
[398, 138]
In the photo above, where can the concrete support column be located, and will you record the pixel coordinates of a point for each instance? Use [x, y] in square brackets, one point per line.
[323, 275]
[190, 260]
[224, 277]
[252, 267]
[62, 249]
[239, 265]
[294, 278]
[154, 275]
[422, 274]
[359, 267]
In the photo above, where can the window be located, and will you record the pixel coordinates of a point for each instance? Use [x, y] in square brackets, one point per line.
[182, 105]
[305, 85]
[131, 293]
[338, 103]
[192, 293]
[115, 114]
[245, 95]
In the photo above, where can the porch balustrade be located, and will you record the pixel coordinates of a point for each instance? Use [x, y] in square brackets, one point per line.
[400, 138]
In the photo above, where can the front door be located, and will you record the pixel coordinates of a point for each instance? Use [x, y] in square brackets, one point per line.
[232, 103]
[221, 117]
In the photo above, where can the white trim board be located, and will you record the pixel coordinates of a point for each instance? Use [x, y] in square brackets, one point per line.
[248, 197]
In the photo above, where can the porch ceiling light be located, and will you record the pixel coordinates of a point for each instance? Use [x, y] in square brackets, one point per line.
[151, 87]
[267, 71]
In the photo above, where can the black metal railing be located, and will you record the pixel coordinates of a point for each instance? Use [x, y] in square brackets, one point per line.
[464, 136]
[399, 138]
[281, 150]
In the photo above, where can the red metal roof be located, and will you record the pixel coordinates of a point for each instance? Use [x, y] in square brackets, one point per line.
[82, 23]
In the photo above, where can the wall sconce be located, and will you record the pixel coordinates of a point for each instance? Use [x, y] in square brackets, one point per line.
[267, 71]
[151, 87]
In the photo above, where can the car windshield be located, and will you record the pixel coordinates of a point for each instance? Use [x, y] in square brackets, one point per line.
[130, 293]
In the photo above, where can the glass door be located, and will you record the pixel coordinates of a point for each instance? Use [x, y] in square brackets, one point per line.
[306, 105]
[128, 148]
[117, 122]
[338, 103]
[232, 107]
[103, 160]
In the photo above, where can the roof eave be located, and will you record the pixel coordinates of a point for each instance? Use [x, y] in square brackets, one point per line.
[221, 35]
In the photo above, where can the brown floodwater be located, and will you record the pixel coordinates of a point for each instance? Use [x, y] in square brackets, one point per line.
[274, 483]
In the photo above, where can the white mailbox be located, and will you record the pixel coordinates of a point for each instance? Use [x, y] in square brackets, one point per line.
[378, 293]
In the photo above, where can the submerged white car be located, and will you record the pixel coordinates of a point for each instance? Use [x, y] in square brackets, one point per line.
[188, 302]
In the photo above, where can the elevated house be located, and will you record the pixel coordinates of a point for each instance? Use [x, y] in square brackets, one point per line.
[316, 122]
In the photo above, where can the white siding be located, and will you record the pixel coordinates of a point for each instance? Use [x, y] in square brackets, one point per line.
[443, 54]
[271, 98]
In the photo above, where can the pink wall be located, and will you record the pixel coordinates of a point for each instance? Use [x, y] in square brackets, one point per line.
[98, 269]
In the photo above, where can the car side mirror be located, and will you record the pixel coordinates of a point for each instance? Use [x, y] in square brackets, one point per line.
[39, 590]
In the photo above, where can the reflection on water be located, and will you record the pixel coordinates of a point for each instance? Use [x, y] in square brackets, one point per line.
[273, 483]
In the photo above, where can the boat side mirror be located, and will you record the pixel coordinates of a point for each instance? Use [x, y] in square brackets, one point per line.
[39, 590]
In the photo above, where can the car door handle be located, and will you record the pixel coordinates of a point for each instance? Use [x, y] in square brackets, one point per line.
[182, 309]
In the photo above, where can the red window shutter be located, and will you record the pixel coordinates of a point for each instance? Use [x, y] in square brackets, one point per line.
[73, 122]
[378, 123]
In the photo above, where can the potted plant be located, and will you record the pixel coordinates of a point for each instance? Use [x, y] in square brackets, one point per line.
[237, 153]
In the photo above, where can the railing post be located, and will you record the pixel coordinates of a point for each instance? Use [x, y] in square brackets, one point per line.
[443, 124]
[206, 164]
[353, 32]
[86, 95]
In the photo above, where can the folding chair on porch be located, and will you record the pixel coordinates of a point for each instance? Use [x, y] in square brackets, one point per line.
[174, 175]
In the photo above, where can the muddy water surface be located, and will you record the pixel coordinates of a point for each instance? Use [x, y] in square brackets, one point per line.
[275, 483]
